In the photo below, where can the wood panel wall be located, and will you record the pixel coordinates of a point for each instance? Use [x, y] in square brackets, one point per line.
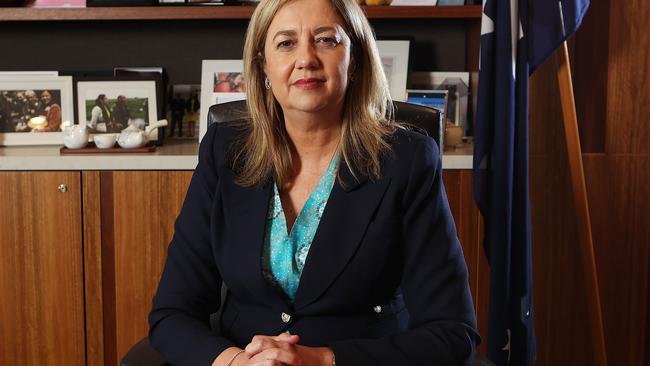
[611, 54]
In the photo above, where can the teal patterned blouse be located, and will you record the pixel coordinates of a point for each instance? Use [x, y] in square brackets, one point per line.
[284, 254]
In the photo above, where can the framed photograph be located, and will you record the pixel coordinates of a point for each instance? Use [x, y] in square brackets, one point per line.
[33, 109]
[221, 81]
[395, 60]
[109, 106]
[183, 112]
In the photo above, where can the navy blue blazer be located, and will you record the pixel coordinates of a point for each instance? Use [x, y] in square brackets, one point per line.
[384, 283]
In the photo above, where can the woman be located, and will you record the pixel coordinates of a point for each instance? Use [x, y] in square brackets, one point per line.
[328, 224]
[100, 115]
[52, 112]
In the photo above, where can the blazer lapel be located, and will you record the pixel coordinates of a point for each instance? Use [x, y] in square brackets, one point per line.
[246, 217]
[347, 214]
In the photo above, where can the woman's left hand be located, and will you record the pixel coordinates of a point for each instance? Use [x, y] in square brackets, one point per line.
[308, 356]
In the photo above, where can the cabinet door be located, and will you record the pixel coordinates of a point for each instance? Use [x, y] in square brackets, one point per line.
[41, 269]
[138, 211]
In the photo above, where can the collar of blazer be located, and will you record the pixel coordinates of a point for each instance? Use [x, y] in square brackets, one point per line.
[339, 233]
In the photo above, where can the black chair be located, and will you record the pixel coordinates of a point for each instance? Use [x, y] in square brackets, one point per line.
[422, 119]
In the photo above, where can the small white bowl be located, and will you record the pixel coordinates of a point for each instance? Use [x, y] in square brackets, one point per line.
[105, 140]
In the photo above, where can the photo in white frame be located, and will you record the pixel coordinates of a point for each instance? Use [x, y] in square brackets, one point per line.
[221, 81]
[395, 60]
[140, 97]
[34, 108]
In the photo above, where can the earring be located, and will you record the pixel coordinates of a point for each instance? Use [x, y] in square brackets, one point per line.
[267, 84]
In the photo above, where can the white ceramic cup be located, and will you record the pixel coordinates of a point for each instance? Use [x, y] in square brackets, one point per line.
[105, 140]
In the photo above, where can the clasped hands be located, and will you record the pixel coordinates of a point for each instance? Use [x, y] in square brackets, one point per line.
[282, 349]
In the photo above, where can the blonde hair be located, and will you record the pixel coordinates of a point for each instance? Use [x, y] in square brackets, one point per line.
[265, 148]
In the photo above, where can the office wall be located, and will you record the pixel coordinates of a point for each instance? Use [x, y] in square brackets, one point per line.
[610, 56]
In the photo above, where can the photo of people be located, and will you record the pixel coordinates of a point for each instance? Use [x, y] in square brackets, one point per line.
[183, 111]
[112, 111]
[30, 110]
[229, 82]
[222, 81]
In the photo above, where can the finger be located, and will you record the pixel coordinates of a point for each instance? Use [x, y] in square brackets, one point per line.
[266, 363]
[288, 357]
[259, 344]
[253, 348]
[289, 338]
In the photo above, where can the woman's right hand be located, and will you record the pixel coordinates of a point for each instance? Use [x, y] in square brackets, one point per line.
[263, 351]
[273, 350]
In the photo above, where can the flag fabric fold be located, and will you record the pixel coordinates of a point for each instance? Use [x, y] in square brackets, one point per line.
[516, 37]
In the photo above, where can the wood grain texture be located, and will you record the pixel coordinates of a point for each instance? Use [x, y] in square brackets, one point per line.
[108, 290]
[93, 268]
[617, 185]
[560, 301]
[621, 224]
[473, 40]
[41, 273]
[581, 205]
[145, 206]
[219, 12]
[458, 184]
[628, 100]
[590, 62]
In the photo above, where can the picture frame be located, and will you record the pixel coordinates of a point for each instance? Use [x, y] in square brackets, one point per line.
[394, 56]
[126, 101]
[25, 122]
[221, 81]
[183, 112]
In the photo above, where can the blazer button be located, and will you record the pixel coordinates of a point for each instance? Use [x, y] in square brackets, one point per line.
[285, 317]
[377, 309]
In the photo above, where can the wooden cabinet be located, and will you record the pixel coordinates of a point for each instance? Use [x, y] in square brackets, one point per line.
[41, 269]
[133, 214]
[80, 259]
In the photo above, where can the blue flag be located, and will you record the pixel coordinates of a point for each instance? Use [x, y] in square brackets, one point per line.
[516, 37]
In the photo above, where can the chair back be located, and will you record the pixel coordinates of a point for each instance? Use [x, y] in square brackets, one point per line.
[423, 119]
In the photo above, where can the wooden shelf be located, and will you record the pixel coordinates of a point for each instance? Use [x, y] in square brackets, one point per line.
[424, 12]
[219, 12]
